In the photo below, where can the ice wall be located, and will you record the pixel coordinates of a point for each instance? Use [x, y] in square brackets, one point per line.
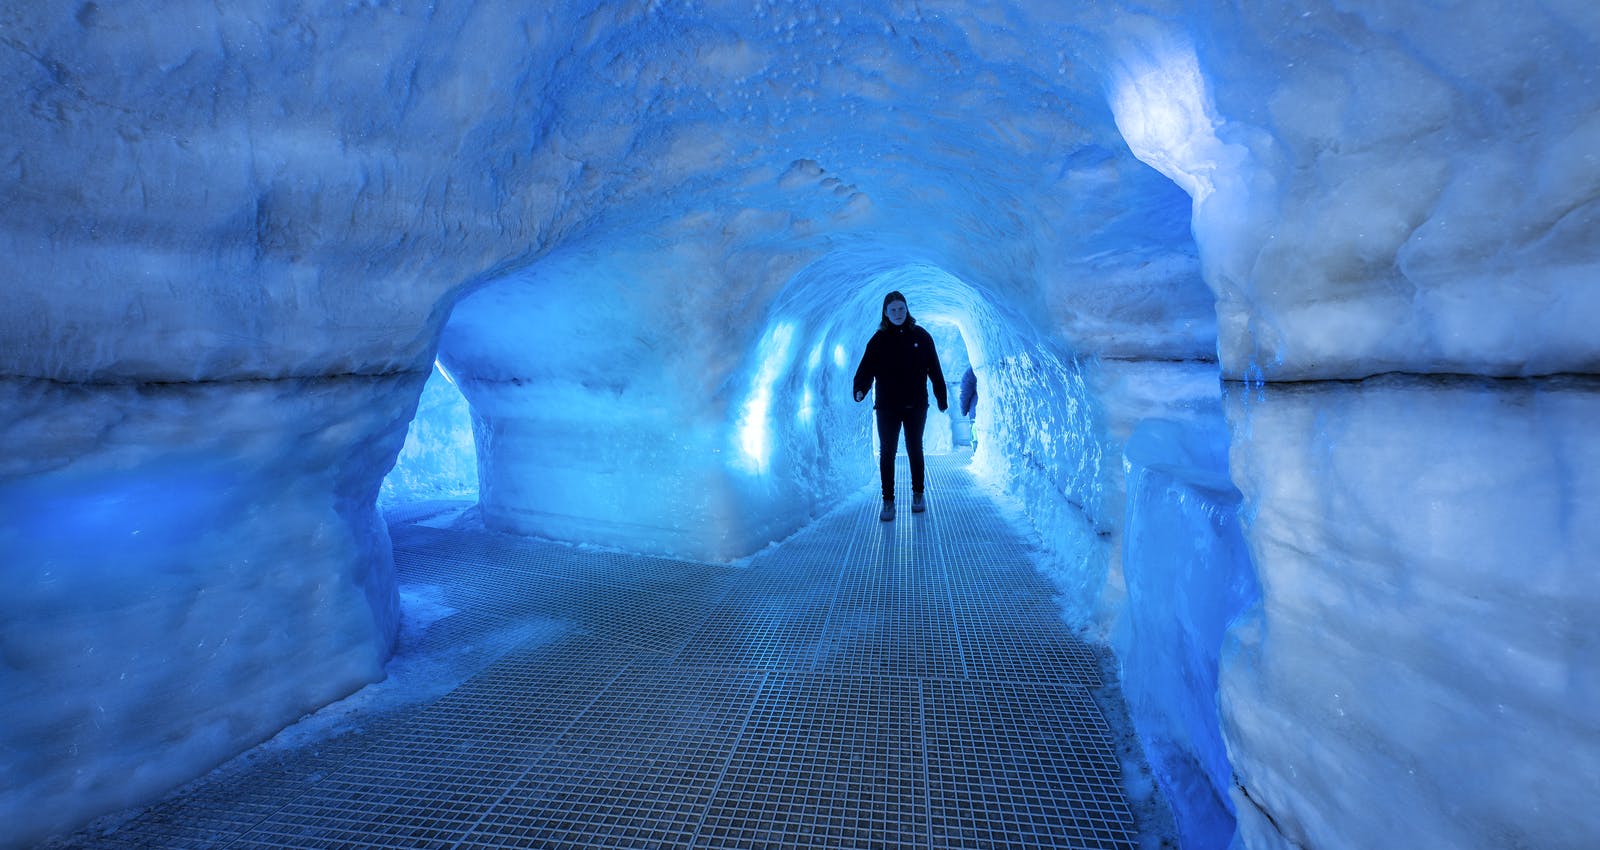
[188, 568]
[608, 409]
[1381, 186]
[1188, 577]
[1421, 671]
[1377, 190]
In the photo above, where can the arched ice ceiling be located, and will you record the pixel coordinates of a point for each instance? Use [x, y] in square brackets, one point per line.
[266, 195]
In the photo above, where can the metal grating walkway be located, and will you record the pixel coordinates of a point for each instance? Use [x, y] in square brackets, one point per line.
[865, 684]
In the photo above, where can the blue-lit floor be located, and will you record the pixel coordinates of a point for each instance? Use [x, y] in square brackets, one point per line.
[867, 684]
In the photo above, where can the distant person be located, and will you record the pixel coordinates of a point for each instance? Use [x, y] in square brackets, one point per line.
[969, 404]
[901, 360]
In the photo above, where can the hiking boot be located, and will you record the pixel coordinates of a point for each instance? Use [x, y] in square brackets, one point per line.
[888, 510]
[917, 505]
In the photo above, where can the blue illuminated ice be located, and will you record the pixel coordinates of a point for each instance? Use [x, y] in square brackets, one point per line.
[648, 240]
[1189, 577]
[1421, 631]
[188, 567]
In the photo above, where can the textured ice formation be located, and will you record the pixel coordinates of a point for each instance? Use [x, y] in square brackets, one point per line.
[188, 569]
[1422, 668]
[1188, 576]
[1384, 186]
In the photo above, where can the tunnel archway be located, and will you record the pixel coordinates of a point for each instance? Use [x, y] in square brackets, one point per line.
[1044, 419]
[580, 439]
[772, 435]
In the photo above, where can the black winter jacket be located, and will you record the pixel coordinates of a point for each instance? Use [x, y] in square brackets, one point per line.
[901, 360]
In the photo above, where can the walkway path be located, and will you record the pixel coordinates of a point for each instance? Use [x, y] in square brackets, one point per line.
[866, 684]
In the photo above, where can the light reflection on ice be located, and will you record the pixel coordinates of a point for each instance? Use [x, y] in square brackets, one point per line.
[1162, 107]
[755, 428]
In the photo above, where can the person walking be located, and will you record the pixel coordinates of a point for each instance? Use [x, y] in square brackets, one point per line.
[969, 405]
[900, 360]
[969, 394]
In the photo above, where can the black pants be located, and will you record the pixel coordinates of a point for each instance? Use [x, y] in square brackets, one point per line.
[889, 422]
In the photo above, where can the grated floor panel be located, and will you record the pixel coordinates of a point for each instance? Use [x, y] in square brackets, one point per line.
[864, 684]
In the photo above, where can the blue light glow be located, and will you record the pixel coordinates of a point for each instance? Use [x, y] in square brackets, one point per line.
[755, 426]
[807, 407]
[121, 512]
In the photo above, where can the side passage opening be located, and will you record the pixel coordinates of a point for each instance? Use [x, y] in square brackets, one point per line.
[439, 459]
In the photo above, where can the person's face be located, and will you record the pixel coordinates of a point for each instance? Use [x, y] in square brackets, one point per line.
[896, 311]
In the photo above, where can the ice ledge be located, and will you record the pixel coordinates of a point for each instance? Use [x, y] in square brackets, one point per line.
[1425, 546]
[189, 568]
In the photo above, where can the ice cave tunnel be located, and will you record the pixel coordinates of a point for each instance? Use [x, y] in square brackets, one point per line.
[1283, 318]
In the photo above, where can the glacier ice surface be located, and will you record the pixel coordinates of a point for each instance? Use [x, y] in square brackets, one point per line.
[1421, 668]
[1188, 576]
[171, 552]
[215, 232]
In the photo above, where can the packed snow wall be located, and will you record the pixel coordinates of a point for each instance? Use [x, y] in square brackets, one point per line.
[1426, 550]
[189, 567]
[1404, 238]
[1189, 579]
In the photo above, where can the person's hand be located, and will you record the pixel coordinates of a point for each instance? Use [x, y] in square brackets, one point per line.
[943, 407]
[860, 395]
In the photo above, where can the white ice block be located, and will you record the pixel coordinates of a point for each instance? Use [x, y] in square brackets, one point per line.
[188, 569]
[1424, 669]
